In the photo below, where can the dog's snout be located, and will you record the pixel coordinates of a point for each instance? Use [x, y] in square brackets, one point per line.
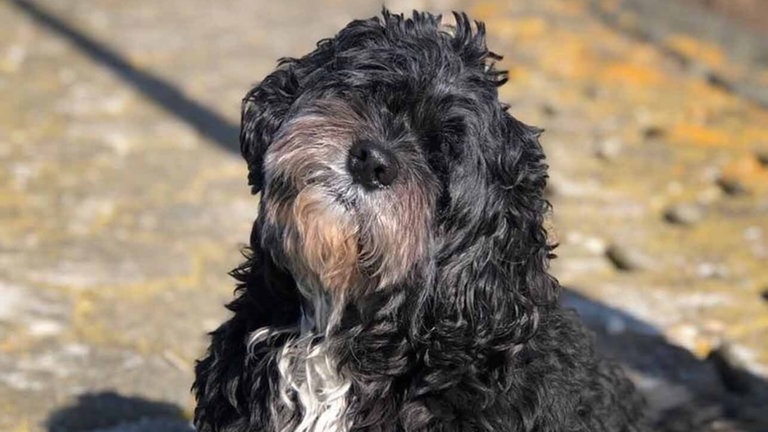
[371, 165]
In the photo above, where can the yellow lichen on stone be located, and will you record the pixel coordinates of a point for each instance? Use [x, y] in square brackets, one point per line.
[696, 49]
[698, 135]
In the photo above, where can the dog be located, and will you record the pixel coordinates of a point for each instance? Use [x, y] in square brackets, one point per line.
[397, 275]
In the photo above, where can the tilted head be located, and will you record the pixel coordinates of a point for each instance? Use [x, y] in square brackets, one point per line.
[385, 159]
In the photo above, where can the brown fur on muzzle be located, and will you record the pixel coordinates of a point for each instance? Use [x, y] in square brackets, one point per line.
[333, 230]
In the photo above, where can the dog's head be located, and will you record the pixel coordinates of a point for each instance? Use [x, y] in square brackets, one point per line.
[384, 157]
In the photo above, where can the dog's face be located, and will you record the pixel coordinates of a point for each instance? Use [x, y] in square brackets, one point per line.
[348, 185]
[381, 152]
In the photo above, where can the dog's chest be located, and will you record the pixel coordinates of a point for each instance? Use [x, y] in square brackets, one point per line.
[311, 392]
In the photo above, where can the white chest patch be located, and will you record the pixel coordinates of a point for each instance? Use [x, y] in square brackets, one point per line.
[309, 386]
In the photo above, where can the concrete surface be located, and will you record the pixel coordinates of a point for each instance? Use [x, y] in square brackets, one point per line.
[123, 202]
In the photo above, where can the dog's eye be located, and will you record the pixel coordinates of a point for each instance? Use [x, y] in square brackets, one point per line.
[438, 135]
[442, 142]
[396, 102]
[452, 136]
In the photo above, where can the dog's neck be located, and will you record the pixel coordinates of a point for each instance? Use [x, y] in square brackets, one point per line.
[317, 308]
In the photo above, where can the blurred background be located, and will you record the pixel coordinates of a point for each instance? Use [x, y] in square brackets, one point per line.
[123, 199]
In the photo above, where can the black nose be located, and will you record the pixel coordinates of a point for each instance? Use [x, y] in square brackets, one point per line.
[371, 165]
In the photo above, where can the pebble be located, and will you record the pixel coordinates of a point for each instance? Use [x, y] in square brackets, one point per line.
[549, 110]
[591, 91]
[762, 156]
[627, 259]
[13, 58]
[616, 325]
[709, 194]
[709, 270]
[593, 244]
[713, 326]
[691, 338]
[684, 214]
[609, 149]
[45, 328]
[732, 186]
[753, 233]
[653, 132]
[731, 367]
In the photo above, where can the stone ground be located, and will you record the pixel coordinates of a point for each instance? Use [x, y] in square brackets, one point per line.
[123, 201]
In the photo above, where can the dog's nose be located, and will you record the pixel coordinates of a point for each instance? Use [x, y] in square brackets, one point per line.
[371, 165]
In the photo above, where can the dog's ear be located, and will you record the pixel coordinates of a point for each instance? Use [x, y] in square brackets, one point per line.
[492, 277]
[263, 111]
[522, 174]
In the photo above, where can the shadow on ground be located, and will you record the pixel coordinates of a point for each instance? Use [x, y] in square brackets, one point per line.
[685, 393]
[164, 93]
[112, 412]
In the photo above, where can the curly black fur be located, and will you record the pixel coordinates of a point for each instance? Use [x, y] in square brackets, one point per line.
[472, 339]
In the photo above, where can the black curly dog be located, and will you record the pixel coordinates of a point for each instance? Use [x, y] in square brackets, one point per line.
[397, 276]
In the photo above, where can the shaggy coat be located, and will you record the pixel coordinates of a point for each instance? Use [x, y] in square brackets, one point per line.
[425, 305]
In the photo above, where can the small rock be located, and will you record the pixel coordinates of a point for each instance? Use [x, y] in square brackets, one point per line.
[709, 194]
[764, 295]
[626, 259]
[691, 338]
[594, 245]
[724, 425]
[713, 326]
[615, 325]
[762, 157]
[591, 91]
[753, 233]
[45, 328]
[549, 110]
[732, 186]
[684, 214]
[653, 132]
[13, 58]
[709, 270]
[608, 149]
[716, 80]
[730, 365]
[675, 188]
